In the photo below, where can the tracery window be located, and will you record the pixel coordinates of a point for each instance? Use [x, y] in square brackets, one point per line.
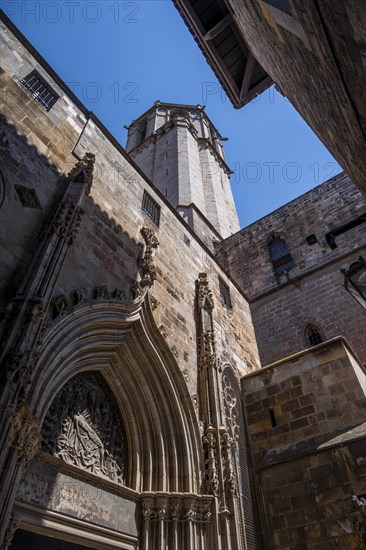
[280, 255]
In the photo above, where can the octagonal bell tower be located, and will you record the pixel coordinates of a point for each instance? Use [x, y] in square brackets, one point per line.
[180, 150]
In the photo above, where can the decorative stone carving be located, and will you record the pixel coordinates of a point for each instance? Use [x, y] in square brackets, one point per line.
[148, 511]
[175, 351]
[24, 434]
[102, 293]
[147, 269]
[82, 172]
[59, 306]
[83, 427]
[163, 331]
[154, 303]
[231, 407]
[186, 375]
[81, 295]
[204, 295]
[176, 507]
[207, 351]
[212, 478]
[28, 197]
[230, 436]
[228, 449]
[10, 531]
[195, 400]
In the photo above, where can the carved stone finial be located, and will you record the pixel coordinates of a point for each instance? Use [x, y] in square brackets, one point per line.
[83, 171]
[204, 295]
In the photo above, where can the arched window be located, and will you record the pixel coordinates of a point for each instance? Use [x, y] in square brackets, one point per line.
[313, 335]
[280, 255]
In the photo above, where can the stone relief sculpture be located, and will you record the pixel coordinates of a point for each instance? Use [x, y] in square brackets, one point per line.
[83, 427]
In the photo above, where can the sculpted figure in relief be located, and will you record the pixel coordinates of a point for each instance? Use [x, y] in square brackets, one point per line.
[84, 428]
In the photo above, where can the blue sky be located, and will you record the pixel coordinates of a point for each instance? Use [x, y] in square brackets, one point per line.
[121, 56]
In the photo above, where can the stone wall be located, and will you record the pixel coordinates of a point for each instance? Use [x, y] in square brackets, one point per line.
[306, 420]
[38, 148]
[312, 291]
[314, 54]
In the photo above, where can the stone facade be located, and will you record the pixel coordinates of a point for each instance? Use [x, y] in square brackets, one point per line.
[310, 292]
[125, 345]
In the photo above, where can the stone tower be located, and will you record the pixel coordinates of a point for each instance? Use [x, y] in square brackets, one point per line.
[181, 151]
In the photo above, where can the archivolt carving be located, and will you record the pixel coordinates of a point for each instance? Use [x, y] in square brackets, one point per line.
[83, 427]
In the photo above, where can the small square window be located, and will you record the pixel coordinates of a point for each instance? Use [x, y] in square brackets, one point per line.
[151, 208]
[224, 293]
[40, 90]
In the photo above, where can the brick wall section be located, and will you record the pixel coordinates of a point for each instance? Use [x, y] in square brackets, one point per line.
[109, 241]
[314, 293]
[307, 468]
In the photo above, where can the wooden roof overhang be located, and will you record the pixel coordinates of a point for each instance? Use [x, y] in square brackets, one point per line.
[214, 28]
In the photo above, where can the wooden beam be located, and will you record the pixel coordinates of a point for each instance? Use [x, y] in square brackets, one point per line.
[247, 76]
[220, 26]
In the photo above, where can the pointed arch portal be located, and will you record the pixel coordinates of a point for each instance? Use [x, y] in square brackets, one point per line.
[121, 450]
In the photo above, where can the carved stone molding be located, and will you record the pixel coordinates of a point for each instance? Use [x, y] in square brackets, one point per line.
[176, 507]
[24, 434]
[83, 427]
[147, 269]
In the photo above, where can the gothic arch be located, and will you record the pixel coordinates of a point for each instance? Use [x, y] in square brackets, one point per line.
[122, 342]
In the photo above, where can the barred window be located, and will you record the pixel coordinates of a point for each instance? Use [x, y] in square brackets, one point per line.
[280, 256]
[40, 90]
[151, 208]
[313, 335]
[224, 293]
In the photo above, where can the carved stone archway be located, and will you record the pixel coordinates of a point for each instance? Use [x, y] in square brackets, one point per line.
[119, 342]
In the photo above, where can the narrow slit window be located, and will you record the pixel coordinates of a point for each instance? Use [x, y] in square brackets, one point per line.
[272, 417]
[224, 293]
[151, 208]
[40, 90]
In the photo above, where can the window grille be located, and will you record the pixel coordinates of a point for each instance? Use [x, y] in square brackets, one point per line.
[224, 293]
[151, 208]
[280, 256]
[40, 90]
[313, 336]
